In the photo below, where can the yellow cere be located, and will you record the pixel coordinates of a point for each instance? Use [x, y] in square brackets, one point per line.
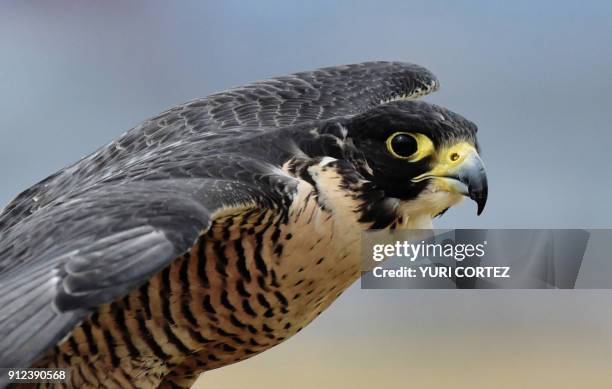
[447, 160]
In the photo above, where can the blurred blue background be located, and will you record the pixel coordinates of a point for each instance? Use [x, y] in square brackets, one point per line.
[535, 76]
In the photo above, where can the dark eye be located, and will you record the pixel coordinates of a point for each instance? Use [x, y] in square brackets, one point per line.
[410, 146]
[402, 145]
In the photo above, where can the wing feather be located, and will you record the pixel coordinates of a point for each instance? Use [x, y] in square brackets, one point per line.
[282, 101]
[95, 247]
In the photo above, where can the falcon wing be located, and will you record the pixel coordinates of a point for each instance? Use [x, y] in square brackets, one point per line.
[299, 98]
[95, 246]
[316, 95]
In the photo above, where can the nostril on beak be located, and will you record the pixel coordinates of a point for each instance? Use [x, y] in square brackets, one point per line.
[454, 157]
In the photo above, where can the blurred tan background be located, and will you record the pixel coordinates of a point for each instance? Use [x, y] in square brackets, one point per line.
[441, 339]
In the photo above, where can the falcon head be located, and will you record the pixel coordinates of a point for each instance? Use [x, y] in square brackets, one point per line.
[421, 154]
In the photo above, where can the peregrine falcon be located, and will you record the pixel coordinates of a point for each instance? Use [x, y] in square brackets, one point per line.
[223, 226]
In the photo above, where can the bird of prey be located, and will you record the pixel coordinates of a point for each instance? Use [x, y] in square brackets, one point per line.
[223, 226]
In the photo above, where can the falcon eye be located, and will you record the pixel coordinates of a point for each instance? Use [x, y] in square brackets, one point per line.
[409, 146]
[402, 145]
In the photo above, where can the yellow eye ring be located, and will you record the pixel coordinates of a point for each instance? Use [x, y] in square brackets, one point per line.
[421, 147]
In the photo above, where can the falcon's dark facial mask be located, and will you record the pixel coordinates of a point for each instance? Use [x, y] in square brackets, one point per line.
[418, 150]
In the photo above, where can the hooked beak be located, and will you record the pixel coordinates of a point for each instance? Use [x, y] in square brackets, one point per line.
[460, 170]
